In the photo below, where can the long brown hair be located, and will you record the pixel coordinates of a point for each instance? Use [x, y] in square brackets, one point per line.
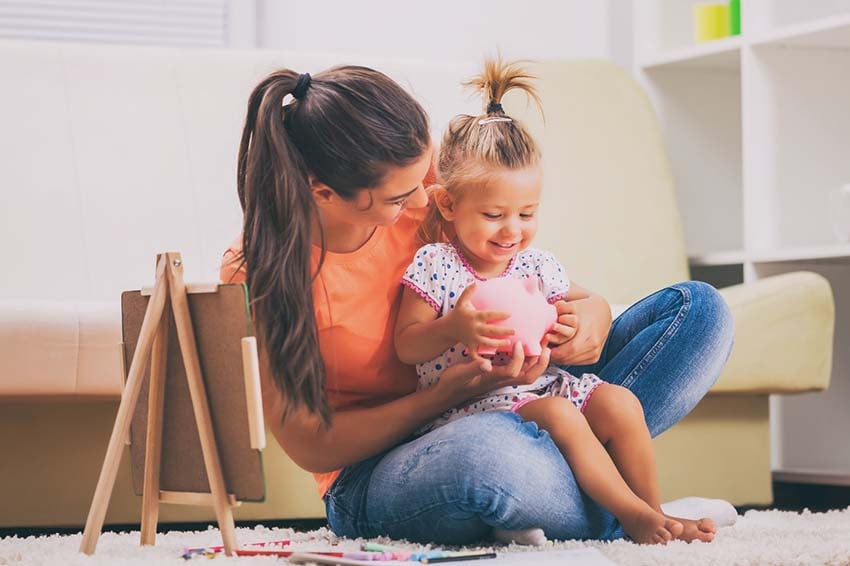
[473, 146]
[345, 130]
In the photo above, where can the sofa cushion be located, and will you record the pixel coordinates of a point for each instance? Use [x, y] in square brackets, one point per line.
[783, 335]
[58, 348]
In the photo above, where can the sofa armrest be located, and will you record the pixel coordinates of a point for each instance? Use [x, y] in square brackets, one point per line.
[783, 335]
[60, 349]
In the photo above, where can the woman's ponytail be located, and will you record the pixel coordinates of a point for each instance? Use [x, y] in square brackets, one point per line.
[273, 187]
[345, 128]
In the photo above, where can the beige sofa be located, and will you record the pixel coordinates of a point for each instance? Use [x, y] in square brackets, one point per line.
[112, 154]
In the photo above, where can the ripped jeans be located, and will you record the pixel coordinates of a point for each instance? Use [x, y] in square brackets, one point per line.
[454, 484]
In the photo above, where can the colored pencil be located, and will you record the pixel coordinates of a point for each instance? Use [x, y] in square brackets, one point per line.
[458, 557]
[220, 548]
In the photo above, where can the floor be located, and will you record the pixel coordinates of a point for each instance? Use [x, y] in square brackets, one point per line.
[787, 497]
[797, 496]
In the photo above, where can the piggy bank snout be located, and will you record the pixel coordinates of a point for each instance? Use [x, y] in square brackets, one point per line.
[531, 316]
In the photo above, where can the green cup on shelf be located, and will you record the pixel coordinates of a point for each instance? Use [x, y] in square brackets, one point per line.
[734, 17]
[711, 21]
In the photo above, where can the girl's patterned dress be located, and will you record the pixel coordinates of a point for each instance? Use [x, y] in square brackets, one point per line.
[439, 273]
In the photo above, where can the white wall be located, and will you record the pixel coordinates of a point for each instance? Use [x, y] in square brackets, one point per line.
[439, 29]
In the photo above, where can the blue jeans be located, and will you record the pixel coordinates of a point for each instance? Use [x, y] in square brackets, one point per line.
[454, 484]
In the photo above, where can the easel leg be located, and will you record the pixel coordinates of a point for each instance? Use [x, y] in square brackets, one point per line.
[200, 402]
[129, 398]
[153, 441]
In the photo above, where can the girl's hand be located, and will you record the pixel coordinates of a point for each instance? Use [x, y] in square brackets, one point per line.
[590, 318]
[473, 328]
[474, 378]
[522, 370]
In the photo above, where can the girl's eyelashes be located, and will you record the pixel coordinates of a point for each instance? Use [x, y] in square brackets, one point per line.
[494, 216]
[399, 202]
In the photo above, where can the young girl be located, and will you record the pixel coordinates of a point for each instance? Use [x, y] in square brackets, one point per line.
[485, 210]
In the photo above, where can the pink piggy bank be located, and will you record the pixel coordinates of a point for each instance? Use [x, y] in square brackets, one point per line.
[531, 315]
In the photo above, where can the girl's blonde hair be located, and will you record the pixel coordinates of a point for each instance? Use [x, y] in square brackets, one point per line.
[473, 146]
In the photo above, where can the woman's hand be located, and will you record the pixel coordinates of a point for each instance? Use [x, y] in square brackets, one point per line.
[583, 326]
[563, 330]
[479, 376]
[472, 327]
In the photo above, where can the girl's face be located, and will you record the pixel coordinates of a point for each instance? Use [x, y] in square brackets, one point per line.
[497, 219]
[401, 188]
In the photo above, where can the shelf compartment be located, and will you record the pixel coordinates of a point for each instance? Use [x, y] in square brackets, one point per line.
[838, 253]
[826, 33]
[722, 54]
[820, 477]
[798, 140]
[809, 426]
[700, 115]
[731, 257]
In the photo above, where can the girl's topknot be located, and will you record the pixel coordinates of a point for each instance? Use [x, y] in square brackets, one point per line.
[474, 147]
[497, 79]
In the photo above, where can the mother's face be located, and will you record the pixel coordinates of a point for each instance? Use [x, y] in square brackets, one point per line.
[400, 188]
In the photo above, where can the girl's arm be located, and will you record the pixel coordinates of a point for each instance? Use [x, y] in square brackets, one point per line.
[421, 336]
[357, 434]
[590, 315]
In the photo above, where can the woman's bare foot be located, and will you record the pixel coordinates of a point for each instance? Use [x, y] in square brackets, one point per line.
[701, 529]
[647, 526]
[528, 537]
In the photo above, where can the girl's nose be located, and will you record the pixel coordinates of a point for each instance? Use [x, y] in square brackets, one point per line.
[511, 227]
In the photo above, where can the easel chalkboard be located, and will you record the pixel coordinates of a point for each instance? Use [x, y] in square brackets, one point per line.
[196, 427]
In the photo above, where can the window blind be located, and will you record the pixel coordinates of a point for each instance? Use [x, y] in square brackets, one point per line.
[151, 22]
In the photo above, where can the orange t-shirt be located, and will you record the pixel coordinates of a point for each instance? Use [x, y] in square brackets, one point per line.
[356, 298]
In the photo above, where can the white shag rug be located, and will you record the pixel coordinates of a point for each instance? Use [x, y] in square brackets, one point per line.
[759, 537]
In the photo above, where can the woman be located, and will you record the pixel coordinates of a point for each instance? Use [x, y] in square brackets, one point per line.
[332, 189]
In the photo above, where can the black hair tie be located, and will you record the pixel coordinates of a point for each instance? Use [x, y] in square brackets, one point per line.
[494, 107]
[301, 86]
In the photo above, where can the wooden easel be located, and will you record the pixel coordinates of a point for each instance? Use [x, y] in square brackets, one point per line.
[168, 298]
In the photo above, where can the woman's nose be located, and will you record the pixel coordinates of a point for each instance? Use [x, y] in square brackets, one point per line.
[418, 199]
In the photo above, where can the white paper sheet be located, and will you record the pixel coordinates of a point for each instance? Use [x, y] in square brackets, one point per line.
[577, 557]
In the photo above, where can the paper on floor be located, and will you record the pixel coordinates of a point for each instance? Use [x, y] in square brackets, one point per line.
[579, 556]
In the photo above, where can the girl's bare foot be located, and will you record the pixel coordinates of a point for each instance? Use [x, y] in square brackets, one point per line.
[647, 526]
[701, 529]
